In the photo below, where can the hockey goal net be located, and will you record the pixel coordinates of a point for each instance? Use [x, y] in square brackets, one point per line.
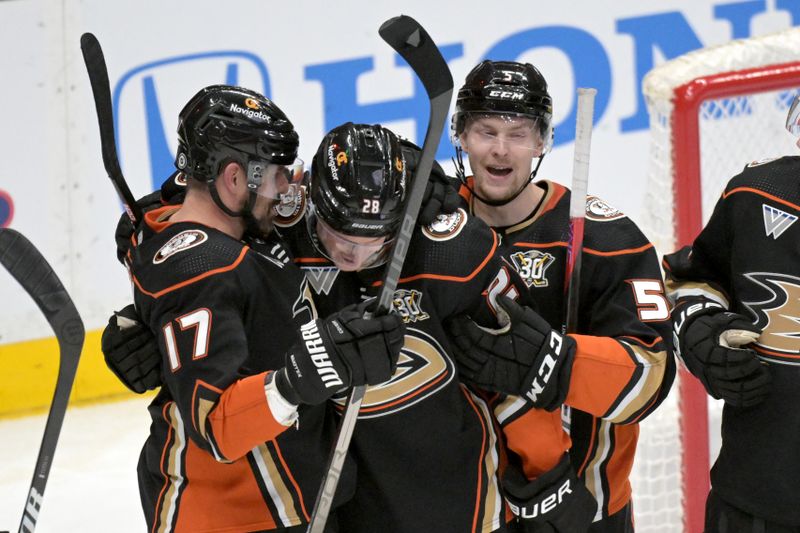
[712, 111]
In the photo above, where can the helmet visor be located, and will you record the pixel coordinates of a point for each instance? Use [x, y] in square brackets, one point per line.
[348, 252]
[793, 118]
[515, 132]
[274, 181]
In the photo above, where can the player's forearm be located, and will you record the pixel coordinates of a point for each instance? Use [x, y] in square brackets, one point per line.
[617, 380]
[241, 419]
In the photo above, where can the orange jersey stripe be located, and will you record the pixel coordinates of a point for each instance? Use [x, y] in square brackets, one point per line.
[762, 193]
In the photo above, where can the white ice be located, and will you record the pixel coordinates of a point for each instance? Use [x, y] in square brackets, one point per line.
[92, 485]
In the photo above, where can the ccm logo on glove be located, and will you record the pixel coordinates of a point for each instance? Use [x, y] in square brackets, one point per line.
[320, 358]
[543, 506]
[546, 368]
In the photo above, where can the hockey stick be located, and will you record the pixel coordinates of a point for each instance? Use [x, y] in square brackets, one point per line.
[24, 262]
[577, 205]
[98, 78]
[413, 43]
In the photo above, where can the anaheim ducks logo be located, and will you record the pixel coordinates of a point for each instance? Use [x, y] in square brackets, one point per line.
[446, 226]
[291, 207]
[180, 242]
[180, 179]
[778, 317]
[422, 371]
[600, 211]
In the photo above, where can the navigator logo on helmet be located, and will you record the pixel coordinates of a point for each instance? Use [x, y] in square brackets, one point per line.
[506, 88]
[358, 185]
[223, 124]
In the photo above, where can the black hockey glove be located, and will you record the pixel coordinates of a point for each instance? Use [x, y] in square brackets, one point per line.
[340, 351]
[441, 194]
[556, 501]
[131, 351]
[526, 358]
[708, 340]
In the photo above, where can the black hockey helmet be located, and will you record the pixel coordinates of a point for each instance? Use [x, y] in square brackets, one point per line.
[505, 88]
[358, 180]
[223, 123]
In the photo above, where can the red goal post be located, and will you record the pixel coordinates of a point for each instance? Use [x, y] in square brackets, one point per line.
[712, 111]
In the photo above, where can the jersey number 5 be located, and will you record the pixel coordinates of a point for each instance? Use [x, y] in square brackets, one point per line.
[650, 301]
[200, 319]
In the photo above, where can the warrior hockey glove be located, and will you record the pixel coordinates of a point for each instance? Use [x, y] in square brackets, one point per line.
[709, 345]
[131, 352]
[441, 194]
[340, 351]
[526, 358]
[557, 501]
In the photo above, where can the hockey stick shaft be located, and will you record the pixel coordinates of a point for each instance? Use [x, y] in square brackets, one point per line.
[577, 205]
[412, 42]
[98, 77]
[24, 262]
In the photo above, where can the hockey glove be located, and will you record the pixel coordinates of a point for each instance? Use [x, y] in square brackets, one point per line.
[526, 358]
[709, 345]
[441, 194]
[131, 351]
[556, 501]
[340, 351]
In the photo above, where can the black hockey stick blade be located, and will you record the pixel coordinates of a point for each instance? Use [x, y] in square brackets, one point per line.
[98, 78]
[413, 43]
[24, 262]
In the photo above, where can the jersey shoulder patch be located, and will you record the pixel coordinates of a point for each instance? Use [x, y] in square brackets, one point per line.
[600, 211]
[291, 208]
[760, 162]
[446, 226]
[182, 254]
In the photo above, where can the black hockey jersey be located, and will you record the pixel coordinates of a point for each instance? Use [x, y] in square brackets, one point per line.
[747, 259]
[426, 448]
[224, 313]
[623, 367]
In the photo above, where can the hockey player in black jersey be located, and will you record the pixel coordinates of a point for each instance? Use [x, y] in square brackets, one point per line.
[426, 449]
[609, 375]
[241, 428]
[736, 292]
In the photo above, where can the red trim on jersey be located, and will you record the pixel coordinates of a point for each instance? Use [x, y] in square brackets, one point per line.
[204, 275]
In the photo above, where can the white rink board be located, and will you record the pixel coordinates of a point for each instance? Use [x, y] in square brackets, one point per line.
[311, 54]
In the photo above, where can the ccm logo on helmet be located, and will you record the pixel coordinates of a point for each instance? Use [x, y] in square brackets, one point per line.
[546, 368]
[544, 506]
[511, 95]
[319, 356]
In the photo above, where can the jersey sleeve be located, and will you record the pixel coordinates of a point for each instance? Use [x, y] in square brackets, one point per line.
[203, 341]
[623, 365]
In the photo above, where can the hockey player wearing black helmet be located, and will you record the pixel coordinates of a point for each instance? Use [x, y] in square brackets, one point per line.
[609, 375]
[241, 429]
[426, 451]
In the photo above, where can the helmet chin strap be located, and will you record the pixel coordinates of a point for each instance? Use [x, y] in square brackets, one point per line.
[251, 224]
[461, 173]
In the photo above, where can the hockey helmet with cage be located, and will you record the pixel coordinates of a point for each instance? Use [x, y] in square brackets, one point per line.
[358, 180]
[225, 123]
[505, 88]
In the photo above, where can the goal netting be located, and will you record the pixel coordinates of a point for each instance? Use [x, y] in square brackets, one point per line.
[712, 111]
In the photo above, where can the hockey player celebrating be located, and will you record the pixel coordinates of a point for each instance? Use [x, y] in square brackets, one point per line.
[614, 370]
[736, 291]
[241, 427]
[426, 448]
